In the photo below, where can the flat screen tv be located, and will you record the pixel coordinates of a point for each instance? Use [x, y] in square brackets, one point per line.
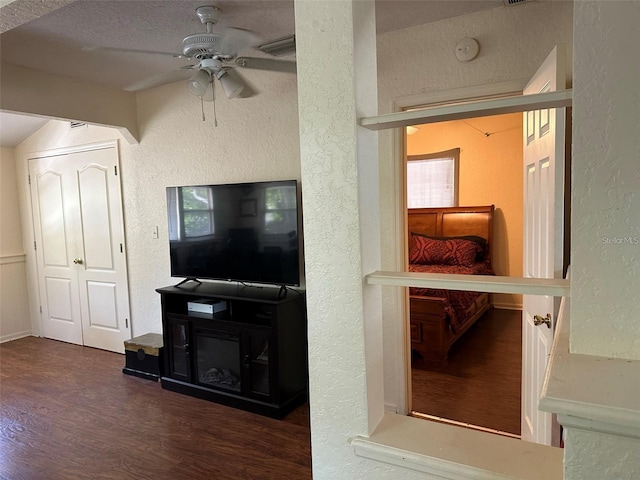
[243, 232]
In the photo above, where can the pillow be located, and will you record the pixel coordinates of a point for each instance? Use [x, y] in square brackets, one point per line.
[482, 243]
[431, 251]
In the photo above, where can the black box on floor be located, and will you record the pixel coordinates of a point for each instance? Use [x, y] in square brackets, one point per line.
[143, 356]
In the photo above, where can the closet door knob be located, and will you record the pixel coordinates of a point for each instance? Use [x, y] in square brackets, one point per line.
[78, 261]
[538, 320]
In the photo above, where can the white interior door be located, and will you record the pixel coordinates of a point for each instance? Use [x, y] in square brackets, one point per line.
[85, 230]
[55, 219]
[543, 139]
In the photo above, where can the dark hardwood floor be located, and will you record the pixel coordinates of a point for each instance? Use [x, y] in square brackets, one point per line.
[68, 412]
[480, 384]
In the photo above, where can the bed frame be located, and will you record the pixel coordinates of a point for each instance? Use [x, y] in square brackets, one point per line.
[429, 326]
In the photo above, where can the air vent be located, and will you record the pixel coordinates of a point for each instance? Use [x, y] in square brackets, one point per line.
[77, 124]
[508, 3]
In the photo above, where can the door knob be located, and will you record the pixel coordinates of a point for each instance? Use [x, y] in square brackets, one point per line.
[78, 261]
[538, 320]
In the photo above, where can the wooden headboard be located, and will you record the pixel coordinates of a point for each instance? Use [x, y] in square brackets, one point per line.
[452, 222]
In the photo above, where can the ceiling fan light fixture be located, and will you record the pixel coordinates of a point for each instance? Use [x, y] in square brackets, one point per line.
[231, 84]
[199, 82]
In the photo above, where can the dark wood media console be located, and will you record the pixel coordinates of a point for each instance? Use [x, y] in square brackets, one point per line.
[250, 354]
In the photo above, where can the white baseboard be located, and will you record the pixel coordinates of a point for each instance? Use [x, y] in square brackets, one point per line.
[16, 336]
[388, 407]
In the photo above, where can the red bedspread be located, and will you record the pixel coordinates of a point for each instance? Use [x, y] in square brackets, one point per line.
[456, 302]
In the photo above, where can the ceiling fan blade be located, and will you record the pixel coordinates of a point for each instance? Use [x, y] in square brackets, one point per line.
[267, 64]
[235, 40]
[157, 80]
[131, 50]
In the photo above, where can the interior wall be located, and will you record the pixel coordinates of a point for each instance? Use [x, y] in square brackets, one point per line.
[342, 242]
[11, 233]
[490, 173]
[606, 216]
[605, 228]
[14, 314]
[29, 91]
[419, 61]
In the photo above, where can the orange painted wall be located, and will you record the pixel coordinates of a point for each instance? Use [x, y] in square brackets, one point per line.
[490, 173]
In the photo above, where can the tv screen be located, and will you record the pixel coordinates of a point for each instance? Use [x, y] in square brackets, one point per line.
[244, 232]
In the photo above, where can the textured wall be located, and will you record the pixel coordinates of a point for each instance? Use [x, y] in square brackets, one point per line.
[335, 239]
[606, 181]
[514, 41]
[597, 456]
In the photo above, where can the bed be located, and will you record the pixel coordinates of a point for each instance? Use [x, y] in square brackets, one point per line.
[447, 240]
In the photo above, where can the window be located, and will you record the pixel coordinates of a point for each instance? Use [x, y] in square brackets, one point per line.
[191, 212]
[432, 179]
[280, 210]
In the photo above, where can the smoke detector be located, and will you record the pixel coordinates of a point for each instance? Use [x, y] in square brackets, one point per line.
[467, 49]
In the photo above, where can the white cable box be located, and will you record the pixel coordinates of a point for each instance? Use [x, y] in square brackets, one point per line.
[206, 306]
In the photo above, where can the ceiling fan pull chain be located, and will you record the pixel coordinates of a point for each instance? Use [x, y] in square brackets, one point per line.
[202, 107]
[213, 92]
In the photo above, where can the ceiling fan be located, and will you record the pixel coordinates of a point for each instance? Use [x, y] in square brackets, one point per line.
[216, 53]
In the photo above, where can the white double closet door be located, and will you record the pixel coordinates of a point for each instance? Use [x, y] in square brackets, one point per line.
[79, 232]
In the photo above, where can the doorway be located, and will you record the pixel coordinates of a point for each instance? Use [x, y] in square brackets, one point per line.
[480, 383]
[527, 390]
[80, 249]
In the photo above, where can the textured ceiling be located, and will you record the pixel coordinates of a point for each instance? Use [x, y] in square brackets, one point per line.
[67, 38]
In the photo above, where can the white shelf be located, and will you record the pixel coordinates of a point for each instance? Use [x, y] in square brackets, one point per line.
[481, 108]
[474, 283]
